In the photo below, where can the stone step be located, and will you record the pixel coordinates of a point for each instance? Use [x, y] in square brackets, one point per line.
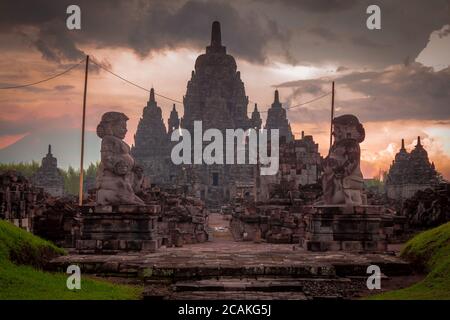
[260, 289]
[212, 271]
[266, 285]
[234, 295]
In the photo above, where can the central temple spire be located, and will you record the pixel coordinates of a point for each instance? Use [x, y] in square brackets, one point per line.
[152, 95]
[277, 97]
[216, 37]
[216, 40]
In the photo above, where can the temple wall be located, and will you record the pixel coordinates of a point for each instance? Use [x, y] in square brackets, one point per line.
[406, 191]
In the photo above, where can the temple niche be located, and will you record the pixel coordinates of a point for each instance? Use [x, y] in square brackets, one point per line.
[410, 172]
[277, 119]
[151, 147]
[48, 176]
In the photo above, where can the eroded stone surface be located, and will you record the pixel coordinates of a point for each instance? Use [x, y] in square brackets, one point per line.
[229, 270]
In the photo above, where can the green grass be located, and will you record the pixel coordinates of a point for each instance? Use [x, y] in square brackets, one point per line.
[430, 252]
[22, 257]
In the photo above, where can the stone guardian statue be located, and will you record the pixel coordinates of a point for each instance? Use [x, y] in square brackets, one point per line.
[342, 180]
[118, 177]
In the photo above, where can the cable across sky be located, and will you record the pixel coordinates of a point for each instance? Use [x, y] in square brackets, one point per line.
[44, 80]
[136, 85]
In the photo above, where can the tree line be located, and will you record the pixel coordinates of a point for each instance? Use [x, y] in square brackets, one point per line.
[71, 175]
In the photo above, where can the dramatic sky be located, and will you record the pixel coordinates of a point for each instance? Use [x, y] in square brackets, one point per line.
[396, 80]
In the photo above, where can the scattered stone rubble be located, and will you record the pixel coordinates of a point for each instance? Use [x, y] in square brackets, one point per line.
[169, 219]
[428, 208]
[20, 201]
[36, 211]
[281, 221]
[178, 220]
[273, 222]
[183, 219]
[55, 220]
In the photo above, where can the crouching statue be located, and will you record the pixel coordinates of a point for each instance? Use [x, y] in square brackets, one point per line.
[118, 178]
[342, 180]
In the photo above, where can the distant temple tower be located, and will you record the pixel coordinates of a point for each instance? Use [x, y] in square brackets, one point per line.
[410, 172]
[256, 118]
[216, 96]
[151, 142]
[277, 119]
[48, 176]
[174, 121]
[215, 93]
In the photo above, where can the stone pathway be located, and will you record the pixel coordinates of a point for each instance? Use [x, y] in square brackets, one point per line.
[227, 269]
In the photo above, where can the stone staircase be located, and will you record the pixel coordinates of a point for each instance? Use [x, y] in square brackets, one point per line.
[230, 270]
[271, 288]
[261, 288]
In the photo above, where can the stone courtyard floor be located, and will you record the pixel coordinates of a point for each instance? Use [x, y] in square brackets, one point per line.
[226, 269]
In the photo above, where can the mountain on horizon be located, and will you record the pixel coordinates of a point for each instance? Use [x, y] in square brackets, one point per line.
[66, 144]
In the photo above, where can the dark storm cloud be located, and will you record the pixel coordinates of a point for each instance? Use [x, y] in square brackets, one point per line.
[323, 33]
[297, 31]
[145, 26]
[398, 92]
[321, 6]
[406, 28]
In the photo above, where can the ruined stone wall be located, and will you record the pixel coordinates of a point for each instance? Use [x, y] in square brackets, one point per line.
[270, 223]
[299, 166]
[406, 191]
[20, 201]
[428, 208]
[181, 220]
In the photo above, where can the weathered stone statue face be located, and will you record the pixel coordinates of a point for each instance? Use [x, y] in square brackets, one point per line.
[119, 129]
[342, 181]
[341, 132]
[118, 177]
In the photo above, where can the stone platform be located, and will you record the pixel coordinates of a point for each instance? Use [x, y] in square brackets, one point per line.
[113, 229]
[360, 228]
[230, 270]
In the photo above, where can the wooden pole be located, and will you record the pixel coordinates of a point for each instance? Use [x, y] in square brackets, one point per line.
[332, 115]
[83, 126]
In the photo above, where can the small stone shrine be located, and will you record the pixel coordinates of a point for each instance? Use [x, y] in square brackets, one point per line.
[48, 176]
[410, 172]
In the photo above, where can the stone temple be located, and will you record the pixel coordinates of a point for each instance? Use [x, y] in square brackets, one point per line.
[410, 172]
[48, 176]
[215, 96]
[151, 142]
[276, 119]
[215, 93]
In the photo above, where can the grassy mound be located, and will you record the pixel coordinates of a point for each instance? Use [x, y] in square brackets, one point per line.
[22, 255]
[430, 252]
